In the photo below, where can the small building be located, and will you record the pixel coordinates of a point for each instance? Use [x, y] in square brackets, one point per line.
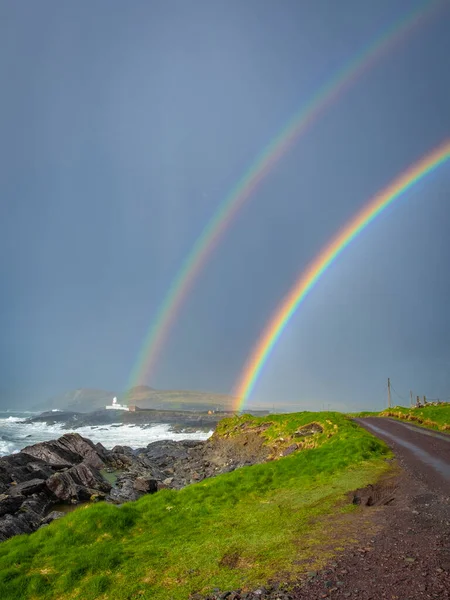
[116, 406]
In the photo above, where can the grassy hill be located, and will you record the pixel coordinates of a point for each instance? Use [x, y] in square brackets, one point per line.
[237, 530]
[88, 400]
[432, 416]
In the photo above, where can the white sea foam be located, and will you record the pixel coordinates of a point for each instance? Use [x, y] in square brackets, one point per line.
[8, 447]
[15, 434]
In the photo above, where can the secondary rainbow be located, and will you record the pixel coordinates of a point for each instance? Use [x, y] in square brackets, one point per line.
[242, 191]
[324, 260]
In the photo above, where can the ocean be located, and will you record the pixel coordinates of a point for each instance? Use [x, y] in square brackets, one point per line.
[15, 434]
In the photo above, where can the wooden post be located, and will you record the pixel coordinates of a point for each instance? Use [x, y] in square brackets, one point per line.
[410, 397]
[389, 393]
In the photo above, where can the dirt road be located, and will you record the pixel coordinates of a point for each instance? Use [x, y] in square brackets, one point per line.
[409, 559]
[424, 452]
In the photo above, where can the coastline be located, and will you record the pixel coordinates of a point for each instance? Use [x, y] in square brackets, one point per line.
[134, 430]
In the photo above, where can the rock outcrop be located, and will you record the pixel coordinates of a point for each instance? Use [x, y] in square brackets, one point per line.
[34, 480]
[70, 469]
[170, 464]
[78, 483]
[70, 449]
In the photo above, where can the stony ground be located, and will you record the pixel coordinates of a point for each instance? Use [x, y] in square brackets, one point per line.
[408, 557]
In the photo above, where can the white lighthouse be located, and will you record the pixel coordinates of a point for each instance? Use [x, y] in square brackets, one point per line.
[116, 406]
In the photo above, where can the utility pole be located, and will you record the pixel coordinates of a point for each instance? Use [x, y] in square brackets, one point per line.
[410, 398]
[389, 393]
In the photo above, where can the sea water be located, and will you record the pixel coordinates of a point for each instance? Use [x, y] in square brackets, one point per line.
[15, 434]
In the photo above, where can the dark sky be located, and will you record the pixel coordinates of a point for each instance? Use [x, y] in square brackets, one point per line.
[122, 128]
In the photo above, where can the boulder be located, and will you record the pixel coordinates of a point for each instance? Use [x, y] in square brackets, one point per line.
[124, 490]
[163, 452]
[11, 525]
[26, 488]
[309, 429]
[9, 504]
[127, 450]
[37, 506]
[77, 483]
[55, 514]
[120, 461]
[100, 448]
[27, 518]
[289, 450]
[21, 467]
[68, 450]
[146, 485]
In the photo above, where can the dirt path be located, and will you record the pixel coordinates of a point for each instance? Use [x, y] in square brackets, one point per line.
[410, 558]
[424, 452]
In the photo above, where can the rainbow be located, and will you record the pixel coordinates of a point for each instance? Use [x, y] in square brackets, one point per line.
[324, 260]
[263, 164]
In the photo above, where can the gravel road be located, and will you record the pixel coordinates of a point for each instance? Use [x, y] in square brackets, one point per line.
[409, 558]
[425, 452]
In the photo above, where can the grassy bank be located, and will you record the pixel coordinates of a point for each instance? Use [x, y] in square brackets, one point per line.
[434, 417]
[236, 530]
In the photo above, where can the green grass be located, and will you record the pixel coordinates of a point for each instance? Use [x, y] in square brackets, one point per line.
[432, 417]
[364, 413]
[236, 530]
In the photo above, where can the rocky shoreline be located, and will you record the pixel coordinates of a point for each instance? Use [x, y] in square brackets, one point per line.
[73, 470]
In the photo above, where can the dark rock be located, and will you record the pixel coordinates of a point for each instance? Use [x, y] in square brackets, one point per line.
[78, 483]
[124, 490]
[11, 525]
[26, 488]
[161, 452]
[123, 450]
[120, 461]
[9, 504]
[307, 430]
[100, 448]
[145, 485]
[26, 519]
[55, 514]
[70, 449]
[37, 506]
[289, 450]
[39, 470]
[20, 467]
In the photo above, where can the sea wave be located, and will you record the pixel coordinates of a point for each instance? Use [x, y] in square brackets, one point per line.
[16, 434]
[8, 447]
[12, 420]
